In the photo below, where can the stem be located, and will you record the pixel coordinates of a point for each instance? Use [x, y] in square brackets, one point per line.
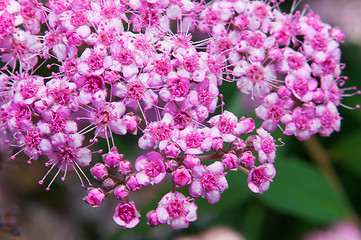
[213, 156]
[323, 161]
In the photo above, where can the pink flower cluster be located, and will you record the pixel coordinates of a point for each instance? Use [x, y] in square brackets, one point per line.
[153, 68]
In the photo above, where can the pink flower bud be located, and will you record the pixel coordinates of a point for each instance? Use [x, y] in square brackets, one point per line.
[108, 184]
[217, 144]
[133, 183]
[113, 158]
[99, 171]
[240, 22]
[131, 122]
[95, 197]
[231, 161]
[125, 167]
[121, 193]
[337, 34]
[318, 95]
[190, 161]
[40, 106]
[170, 166]
[275, 53]
[248, 126]
[182, 176]
[284, 92]
[247, 160]
[152, 218]
[238, 145]
[172, 150]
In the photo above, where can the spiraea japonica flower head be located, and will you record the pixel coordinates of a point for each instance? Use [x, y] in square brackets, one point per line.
[156, 70]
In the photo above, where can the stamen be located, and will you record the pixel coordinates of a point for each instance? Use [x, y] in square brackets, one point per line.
[52, 180]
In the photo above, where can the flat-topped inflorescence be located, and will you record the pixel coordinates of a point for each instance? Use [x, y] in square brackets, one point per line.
[153, 69]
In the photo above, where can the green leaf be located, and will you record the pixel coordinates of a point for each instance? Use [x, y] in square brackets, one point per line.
[299, 189]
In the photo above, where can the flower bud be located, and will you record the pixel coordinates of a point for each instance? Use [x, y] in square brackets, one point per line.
[133, 183]
[190, 161]
[99, 171]
[238, 145]
[108, 184]
[248, 126]
[172, 150]
[182, 176]
[247, 160]
[113, 158]
[95, 197]
[231, 161]
[217, 144]
[170, 166]
[121, 193]
[152, 218]
[125, 167]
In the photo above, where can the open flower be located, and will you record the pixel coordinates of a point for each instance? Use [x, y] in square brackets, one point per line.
[150, 168]
[126, 215]
[176, 210]
[208, 182]
[260, 177]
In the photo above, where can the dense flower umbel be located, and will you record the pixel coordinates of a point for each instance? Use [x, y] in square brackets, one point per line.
[134, 67]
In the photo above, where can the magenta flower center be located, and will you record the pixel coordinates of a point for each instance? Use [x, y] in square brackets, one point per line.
[295, 62]
[301, 87]
[190, 64]
[204, 97]
[258, 177]
[125, 57]
[61, 95]
[182, 118]
[161, 132]
[93, 84]
[67, 155]
[176, 208]
[255, 74]
[32, 139]
[95, 61]
[104, 116]
[69, 67]
[28, 90]
[327, 120]
[267, 145]
[126, 213]
[162, 67]
[57, 123]
[136, 90]
[153, 169]
[194, 140]
[302, 123]
[225, 126]
[178, 88]
[275, 112]
[209, 181]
